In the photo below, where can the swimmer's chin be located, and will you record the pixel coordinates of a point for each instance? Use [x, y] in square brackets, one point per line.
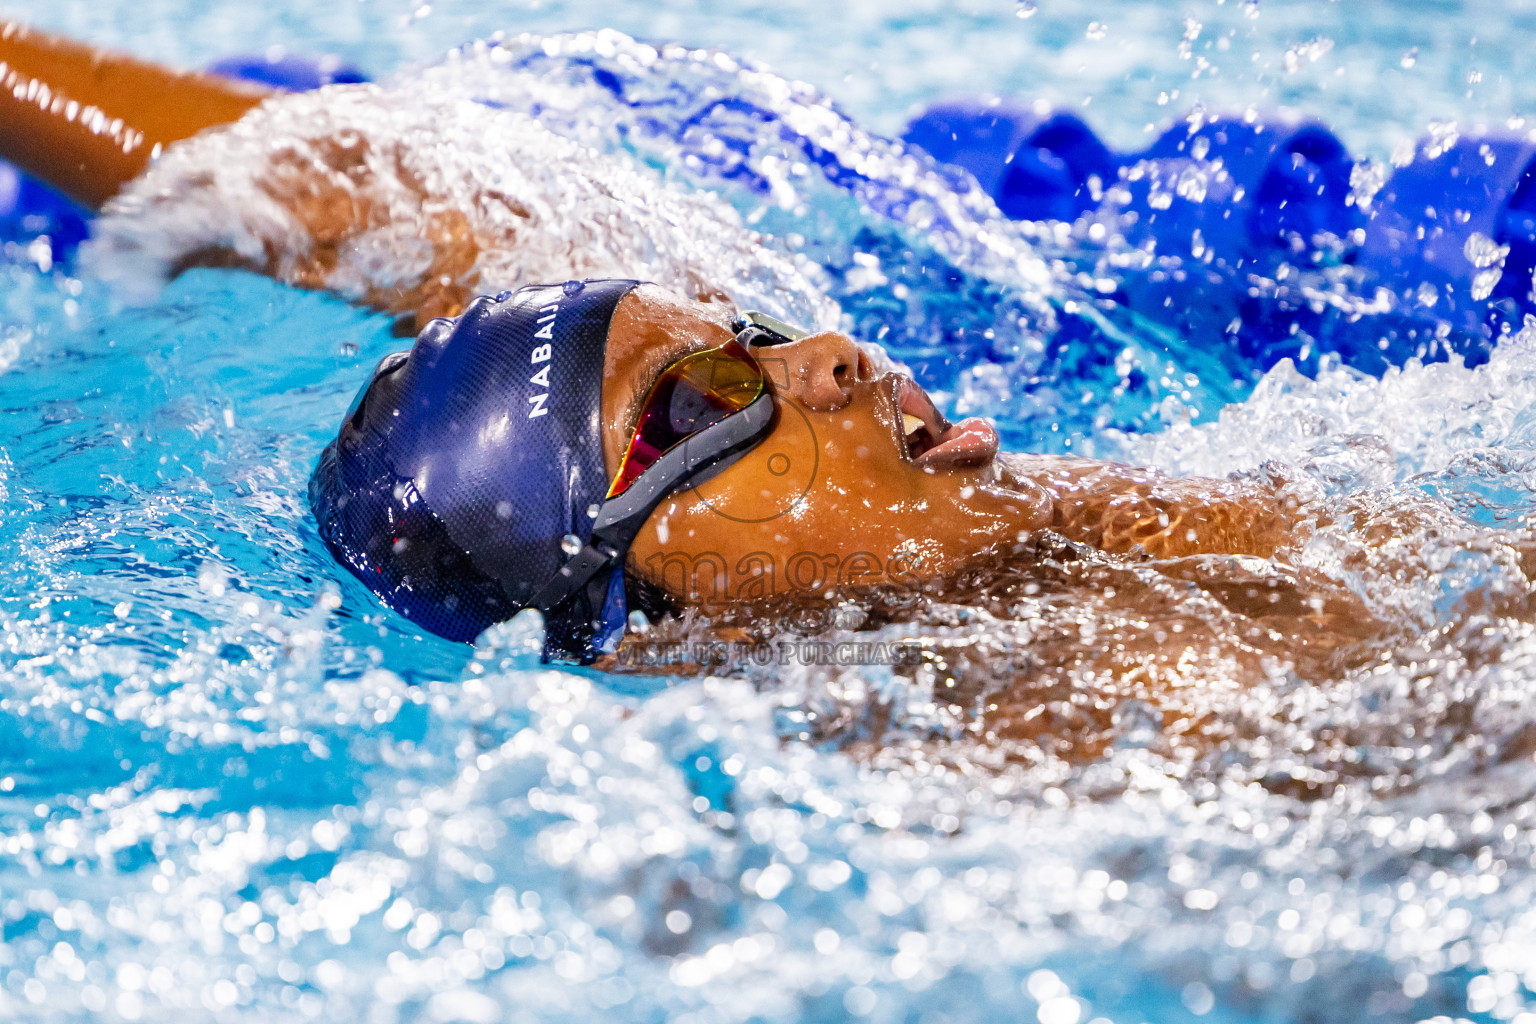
[1009, 482]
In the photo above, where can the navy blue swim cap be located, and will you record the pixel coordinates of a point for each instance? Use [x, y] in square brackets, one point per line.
[468, 462]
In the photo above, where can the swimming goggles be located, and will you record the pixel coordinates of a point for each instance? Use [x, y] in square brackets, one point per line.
[706, 409]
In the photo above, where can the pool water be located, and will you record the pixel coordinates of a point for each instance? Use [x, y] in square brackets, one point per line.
[234, 787]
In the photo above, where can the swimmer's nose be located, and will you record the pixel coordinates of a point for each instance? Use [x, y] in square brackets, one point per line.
[819, 371]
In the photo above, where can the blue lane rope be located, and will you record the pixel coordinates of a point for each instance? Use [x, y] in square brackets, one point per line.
[1225, 208]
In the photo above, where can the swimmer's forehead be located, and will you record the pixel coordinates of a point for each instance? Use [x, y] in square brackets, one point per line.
[652, 322]
[652, 328]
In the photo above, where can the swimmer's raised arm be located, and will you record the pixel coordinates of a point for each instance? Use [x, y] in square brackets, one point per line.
[407, 198]
[87, 121]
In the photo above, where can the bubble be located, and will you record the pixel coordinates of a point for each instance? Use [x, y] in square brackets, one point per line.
[213, 579]
[860, 1001]
[1198, 998]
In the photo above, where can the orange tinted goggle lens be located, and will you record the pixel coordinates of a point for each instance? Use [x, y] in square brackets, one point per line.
[693, 393]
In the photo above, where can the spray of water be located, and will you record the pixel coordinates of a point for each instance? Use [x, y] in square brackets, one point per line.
[234, 788]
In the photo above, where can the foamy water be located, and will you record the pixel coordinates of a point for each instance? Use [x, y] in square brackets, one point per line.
[233, 787]
[421, 175]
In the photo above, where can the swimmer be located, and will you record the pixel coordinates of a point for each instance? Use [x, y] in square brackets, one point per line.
[606, 446]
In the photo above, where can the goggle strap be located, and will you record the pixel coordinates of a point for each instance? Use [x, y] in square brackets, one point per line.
[590, 621]
[620, 518]
[571, 577]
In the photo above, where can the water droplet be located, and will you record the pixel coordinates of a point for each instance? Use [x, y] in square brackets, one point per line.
[570, 544]
[1410, 58]
[213, 579]
[592, 510]
[1026, 9]
[572, 287]
[639, 622]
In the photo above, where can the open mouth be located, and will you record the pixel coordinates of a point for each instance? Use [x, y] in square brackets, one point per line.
[931, 441]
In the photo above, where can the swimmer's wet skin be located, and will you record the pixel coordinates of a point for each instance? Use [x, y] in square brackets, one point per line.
[857, 486]
[856, 471]
[87, 121]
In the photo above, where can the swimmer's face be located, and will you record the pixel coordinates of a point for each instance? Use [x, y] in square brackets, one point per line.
[860, 483]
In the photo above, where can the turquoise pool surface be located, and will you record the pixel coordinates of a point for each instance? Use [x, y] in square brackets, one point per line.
[233, 787]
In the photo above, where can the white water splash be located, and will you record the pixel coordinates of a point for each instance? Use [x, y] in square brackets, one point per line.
[538, 207]
[1427, 416]
[723, 122]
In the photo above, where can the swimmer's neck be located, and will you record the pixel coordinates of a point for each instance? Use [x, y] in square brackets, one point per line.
[1119, 508]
